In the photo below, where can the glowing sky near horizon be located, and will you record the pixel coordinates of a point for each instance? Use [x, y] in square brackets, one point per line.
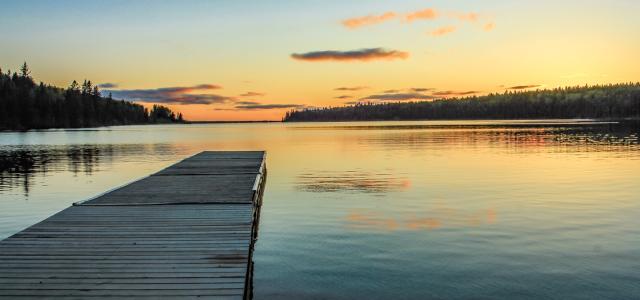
[254, 60]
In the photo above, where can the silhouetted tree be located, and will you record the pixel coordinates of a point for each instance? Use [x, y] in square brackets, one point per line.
[24, 70]
[25, 105]
[599, 101]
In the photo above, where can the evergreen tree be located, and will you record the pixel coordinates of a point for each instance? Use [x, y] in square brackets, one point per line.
[24, 70]
[599, 101]
[25, 105]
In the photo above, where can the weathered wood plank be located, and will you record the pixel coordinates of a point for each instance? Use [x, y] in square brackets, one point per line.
[186, 231]
[66, 297]
[61, 273]
[123, 292]
[183, 280]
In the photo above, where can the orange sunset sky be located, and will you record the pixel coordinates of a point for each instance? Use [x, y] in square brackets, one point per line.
[254, 60]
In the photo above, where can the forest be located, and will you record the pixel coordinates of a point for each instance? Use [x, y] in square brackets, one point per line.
[613, 101]
[26, 105]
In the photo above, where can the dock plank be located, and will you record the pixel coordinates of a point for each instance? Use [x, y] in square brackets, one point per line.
[185, 232]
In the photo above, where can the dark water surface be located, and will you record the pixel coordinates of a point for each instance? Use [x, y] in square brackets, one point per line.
[386, 210]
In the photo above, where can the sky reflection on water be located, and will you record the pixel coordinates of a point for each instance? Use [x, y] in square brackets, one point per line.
[400, 210]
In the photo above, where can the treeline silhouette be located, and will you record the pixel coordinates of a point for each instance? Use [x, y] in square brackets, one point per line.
[598, 101]
[27, 105]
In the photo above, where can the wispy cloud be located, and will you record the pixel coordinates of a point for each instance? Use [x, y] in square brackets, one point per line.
[411, 90]
[343, 97]
[443, 30]
[252, 94]
[350, 88]
[489, 26]
[523, 87]
[267, 106]
[398, 97]
[204, 87]
[108, 85]
[454, 93]
[368, 20]
[173, 95]
[247, 103]
[367, 54]
[469, 17]
[425, 14]
[422, 14]
[357, 22]
[420, 89]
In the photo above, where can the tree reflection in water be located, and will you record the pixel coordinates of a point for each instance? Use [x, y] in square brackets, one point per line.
[19, 165]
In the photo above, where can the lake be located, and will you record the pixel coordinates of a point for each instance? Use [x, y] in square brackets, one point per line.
[386, 210]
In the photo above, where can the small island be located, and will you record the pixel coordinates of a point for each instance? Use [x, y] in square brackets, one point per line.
[26, 105]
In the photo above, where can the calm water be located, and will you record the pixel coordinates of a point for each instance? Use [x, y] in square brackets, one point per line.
[386, 210]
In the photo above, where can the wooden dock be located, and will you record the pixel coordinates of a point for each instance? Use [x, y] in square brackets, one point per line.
[185, 232]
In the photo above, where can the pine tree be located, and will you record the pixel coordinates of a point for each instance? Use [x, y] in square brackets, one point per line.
[24, 70]
[74, 87]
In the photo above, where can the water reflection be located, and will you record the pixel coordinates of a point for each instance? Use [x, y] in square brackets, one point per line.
[350, 181]
[483, 211]
[561, 139]
[563, 135]
[20, 165]
[478, 124]
[442, 217]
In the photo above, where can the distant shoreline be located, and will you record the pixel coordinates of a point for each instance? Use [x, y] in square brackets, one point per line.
[487, 119]
[218, 122]
[612, 101]
[586, 120]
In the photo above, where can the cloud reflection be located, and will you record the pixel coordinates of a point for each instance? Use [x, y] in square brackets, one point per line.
[350, 181]
[440, 217]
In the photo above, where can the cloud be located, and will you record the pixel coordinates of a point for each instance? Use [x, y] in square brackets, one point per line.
[247, 103]
[425, 14]
[343, 97]
[173, 95]
[350, 88]
[204, 87]
[489, 26]
[454, 93]
[252, 94]
[413, 90]
[443, 30]
[468, 93]
[267, 106]
[368, 20]
[108, 85]
[420, 90]
[398, 97]
[470, 17]
[523, 87]
[368, 54]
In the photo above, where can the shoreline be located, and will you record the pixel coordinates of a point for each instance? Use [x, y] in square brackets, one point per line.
[634, 119]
